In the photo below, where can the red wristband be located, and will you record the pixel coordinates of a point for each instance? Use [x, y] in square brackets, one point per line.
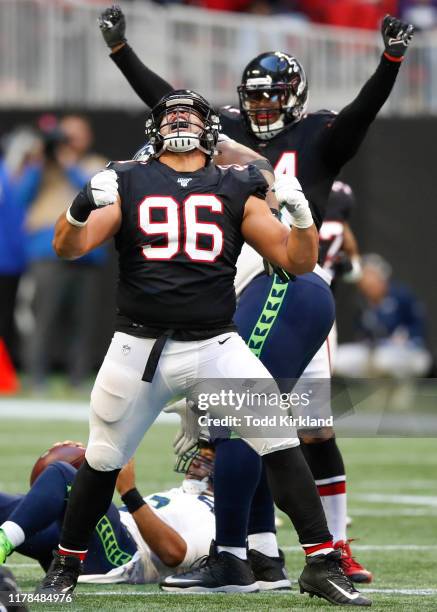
[391, 58]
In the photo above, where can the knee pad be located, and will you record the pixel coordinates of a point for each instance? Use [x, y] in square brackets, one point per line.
[104, 458]
[115, 388]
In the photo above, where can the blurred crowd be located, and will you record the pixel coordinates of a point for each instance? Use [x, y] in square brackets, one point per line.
[347, 13]
[48, 307]
[390, 328]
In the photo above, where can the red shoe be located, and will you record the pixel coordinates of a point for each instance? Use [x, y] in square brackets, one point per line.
[354, 570]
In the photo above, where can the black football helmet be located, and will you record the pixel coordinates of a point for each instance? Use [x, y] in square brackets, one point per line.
[171, 126]
[279, 80]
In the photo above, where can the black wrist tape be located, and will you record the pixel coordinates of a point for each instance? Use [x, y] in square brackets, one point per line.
[81, 207]
[133, 500]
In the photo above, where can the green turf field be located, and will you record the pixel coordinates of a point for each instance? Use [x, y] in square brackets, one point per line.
[393, 503]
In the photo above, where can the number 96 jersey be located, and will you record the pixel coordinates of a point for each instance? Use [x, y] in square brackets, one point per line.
[179, 240]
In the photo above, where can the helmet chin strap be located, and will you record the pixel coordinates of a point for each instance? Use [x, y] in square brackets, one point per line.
[195, 487]
[266, 132]
[182, 143]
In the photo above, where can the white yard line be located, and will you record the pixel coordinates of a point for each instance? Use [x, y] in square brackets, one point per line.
[361, 547]
[412, 512]
[376, 547]
[49, 410]
[416, 592]
[414, 500]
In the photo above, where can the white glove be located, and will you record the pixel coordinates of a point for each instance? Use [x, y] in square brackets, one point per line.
[102, 189]
[289, 192]
[188, 434]
[354, 275]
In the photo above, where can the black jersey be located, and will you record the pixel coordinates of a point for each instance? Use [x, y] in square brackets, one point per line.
[314, 149]
[179, 240]
[299, 150]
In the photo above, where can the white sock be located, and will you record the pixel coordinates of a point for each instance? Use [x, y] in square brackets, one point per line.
[241, 553]
[333, 496]
[265, 543]
[14, 533]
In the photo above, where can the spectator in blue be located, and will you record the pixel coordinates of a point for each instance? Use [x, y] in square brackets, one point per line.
[66, 292]
[391, 329]
[19, 170]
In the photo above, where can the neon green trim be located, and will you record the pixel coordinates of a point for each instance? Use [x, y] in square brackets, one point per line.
[113, 552]
[268, 316]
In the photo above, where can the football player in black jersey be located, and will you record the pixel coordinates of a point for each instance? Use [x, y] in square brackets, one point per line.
[179, 222]
[272, 120]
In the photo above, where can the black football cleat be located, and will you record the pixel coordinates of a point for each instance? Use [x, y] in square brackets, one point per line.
[216, 573]
[62, 575]
[323, 576]
[269, 572]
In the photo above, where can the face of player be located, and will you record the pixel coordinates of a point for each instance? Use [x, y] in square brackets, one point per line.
[373, 284]
[181, 120]
[264, 106]
[201, 466]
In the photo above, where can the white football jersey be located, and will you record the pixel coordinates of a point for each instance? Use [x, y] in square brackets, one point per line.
[191, 516]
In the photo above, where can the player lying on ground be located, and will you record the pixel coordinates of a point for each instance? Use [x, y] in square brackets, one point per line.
[141, 542]
[272, 119]
[176, 301]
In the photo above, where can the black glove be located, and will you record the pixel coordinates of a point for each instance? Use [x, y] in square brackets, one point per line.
[342, 264]
[396, 36]
[112, 24]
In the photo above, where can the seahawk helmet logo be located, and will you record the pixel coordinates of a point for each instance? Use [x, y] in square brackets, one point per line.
[183, 182]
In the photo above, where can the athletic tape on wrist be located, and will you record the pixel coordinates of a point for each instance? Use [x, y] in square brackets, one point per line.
[74, 221]
[304, 222]
[133, 500]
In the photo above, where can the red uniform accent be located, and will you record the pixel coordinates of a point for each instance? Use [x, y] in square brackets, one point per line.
[354, 570]
[335, 488]
[8, 377]
[392, 58]
[72, 553]
[312, 549]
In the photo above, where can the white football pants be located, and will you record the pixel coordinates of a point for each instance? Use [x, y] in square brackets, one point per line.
[123, 407]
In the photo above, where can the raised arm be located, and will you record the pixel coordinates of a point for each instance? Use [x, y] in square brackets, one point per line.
[347, 130]
[294, 250]
[147, 84]
[93, 217]
[231, 152]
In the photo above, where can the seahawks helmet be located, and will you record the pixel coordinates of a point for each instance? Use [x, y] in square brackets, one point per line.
[171, 126]
[272, 77]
